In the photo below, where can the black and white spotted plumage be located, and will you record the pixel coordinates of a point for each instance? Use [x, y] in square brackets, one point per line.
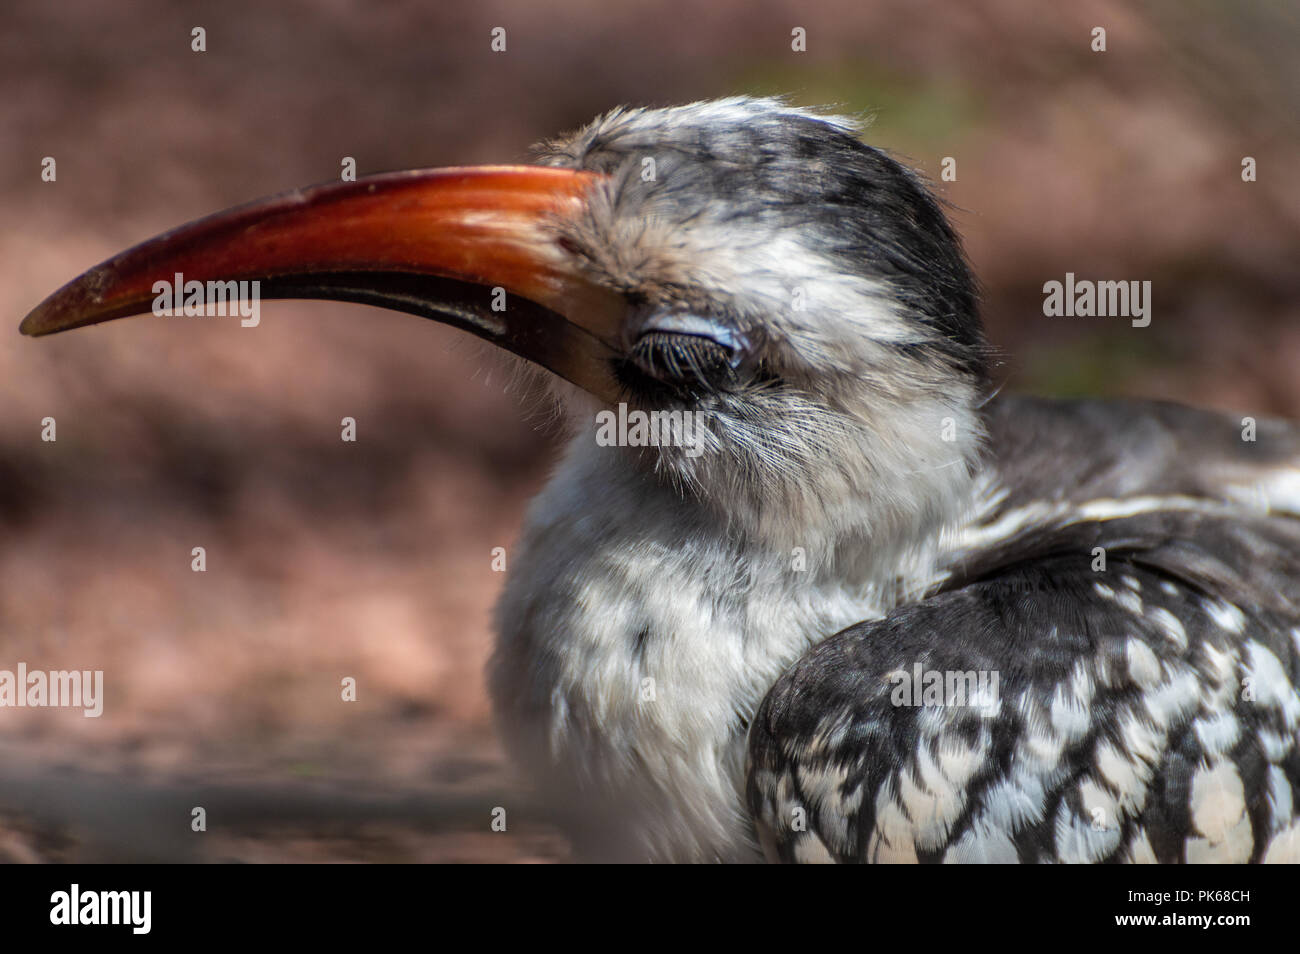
[1147, 711]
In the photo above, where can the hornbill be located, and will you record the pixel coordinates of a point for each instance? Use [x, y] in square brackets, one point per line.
[707, 644]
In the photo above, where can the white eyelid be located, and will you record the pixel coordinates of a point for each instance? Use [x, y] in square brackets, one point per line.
[686, 323]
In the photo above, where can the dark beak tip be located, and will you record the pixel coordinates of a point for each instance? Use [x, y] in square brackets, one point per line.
[36, 323]
[68, 307]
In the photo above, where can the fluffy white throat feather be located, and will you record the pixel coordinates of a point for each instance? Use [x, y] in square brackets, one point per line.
[640, 629]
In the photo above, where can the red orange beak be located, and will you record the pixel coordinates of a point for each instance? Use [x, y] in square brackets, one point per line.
[471, 247]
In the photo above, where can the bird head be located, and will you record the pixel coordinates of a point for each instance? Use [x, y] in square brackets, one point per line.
[799, 294]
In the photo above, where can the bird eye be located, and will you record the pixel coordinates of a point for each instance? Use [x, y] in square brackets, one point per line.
[685, 364]
[678, 354]
[686, 358]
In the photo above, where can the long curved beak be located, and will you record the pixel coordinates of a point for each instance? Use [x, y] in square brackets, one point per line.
[471, 247]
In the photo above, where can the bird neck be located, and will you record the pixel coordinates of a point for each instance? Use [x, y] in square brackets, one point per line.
[641, 627]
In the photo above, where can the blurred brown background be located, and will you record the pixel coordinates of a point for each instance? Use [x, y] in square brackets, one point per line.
[372, 560]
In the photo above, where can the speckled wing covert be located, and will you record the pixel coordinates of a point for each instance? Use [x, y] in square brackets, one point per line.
[1144, 712]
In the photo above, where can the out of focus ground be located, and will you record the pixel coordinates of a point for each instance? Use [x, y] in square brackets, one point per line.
[373, 559]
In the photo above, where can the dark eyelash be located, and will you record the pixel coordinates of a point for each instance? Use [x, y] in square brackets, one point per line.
[689, 360]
